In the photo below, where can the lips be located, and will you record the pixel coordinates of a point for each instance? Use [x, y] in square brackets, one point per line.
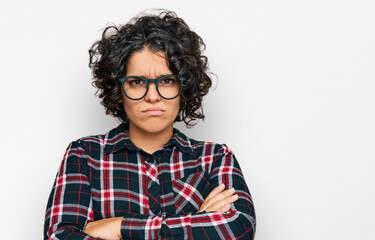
[154, 111]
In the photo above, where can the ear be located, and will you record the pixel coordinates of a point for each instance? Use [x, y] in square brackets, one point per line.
[120, 99]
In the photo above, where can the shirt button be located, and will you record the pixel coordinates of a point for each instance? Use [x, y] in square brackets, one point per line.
[156, 209]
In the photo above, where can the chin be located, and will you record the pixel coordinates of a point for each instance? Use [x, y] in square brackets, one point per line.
[154, 126]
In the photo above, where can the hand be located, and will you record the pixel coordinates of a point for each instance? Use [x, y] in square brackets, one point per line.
[108, 229]
[219, 200]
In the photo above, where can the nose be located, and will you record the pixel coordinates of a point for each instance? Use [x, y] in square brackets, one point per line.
[152, 94]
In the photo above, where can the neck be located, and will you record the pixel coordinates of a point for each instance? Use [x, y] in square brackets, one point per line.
[149, 141]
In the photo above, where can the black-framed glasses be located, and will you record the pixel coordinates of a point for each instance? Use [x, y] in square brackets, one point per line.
[136, 87]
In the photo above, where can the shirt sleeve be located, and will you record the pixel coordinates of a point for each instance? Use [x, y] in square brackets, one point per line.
[238, 223]
[69, 204]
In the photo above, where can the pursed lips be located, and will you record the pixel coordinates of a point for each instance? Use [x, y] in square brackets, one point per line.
[154, 111]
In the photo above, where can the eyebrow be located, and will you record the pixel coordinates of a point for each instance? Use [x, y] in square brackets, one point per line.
[160, 76]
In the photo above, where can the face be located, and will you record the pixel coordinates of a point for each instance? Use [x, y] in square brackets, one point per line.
[151, 114]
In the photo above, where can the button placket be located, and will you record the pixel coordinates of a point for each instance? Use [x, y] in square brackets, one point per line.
[154, 197]
[154, 187]
[150, 159]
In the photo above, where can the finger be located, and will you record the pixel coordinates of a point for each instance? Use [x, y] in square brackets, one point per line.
[225, 208]
[224, 204]
[216, 191]
[213, 193]
[218, 198]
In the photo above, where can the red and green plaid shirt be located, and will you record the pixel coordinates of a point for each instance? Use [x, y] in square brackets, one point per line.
[157, 194]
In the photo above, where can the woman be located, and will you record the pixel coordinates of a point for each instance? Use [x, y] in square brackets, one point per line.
[145, 179]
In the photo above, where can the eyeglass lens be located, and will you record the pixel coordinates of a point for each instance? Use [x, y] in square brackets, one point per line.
[136, 87]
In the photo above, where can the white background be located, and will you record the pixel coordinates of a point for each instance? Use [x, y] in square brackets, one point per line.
[294, 99]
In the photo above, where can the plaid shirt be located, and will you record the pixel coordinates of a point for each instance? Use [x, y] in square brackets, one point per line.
[157, 194]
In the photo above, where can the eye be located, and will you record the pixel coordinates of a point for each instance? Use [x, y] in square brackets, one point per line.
[135, 82]
[168, 81]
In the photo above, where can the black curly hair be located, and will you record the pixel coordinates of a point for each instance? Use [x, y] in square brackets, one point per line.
[164, 32]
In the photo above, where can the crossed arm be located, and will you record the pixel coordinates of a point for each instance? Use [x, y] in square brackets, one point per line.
[224, 214]
[218, 200]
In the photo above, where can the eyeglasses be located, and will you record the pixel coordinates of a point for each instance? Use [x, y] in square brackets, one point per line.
[136, 87]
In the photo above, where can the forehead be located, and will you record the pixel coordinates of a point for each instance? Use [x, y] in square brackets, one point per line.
[148, 63]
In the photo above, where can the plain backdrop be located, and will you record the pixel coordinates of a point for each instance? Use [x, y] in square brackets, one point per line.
[294, 98]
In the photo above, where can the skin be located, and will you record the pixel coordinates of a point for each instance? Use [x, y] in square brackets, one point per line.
[150, 131]
[219, 200]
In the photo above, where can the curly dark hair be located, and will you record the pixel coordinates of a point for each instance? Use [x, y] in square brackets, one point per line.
[164, 32]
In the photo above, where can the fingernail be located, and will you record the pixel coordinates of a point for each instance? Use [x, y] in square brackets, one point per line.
[235, 196]
[231, 190]
[221, 185]
[227, 206]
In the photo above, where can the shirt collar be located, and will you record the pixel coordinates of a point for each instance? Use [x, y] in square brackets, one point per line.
[181, 141]
[117, 139]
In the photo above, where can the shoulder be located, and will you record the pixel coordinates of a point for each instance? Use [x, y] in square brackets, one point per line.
[101, 142]
[216, 158]
[205, 148]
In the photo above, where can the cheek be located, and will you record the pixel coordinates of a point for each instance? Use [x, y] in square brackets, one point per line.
[128, 106]
[175, 106]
